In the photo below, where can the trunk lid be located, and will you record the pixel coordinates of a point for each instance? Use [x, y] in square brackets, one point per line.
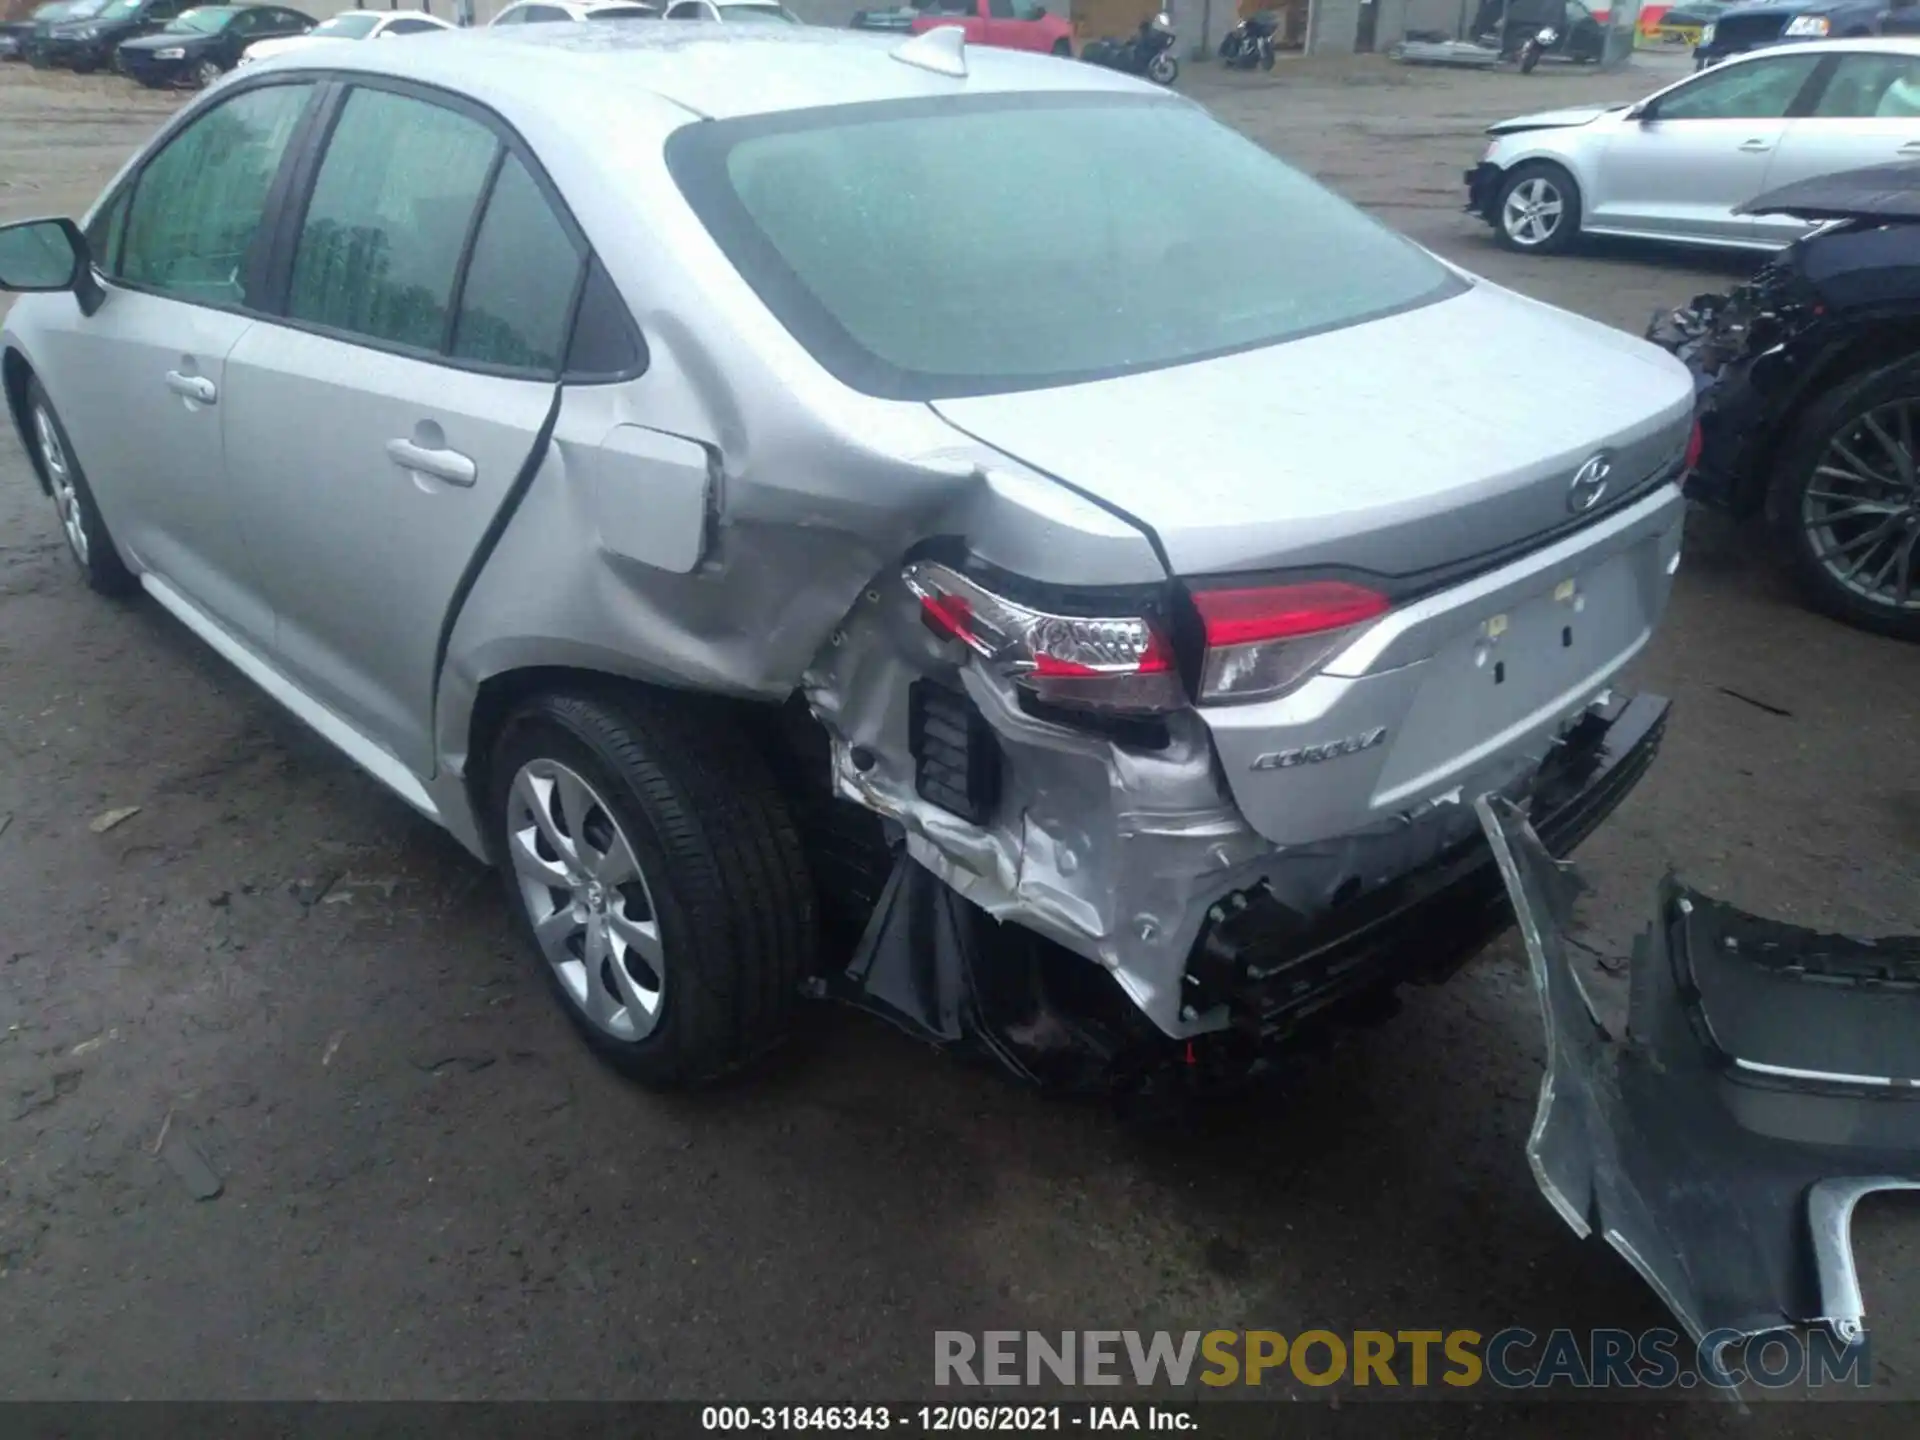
[1428, 438]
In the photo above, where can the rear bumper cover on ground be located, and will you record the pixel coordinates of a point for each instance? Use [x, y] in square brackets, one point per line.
[1768, 1078]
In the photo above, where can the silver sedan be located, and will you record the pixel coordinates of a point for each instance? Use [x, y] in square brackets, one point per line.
[1678, 165]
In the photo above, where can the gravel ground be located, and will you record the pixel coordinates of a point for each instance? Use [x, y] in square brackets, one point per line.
[429, 1190]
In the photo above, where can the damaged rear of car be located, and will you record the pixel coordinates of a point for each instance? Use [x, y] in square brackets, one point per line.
[1808, 379]
[1202, 729]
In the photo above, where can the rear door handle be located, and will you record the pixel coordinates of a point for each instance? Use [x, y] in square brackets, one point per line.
[1756, 147]
[448, 465]
[194, 387]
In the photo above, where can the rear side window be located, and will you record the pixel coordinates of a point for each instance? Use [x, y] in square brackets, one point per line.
[392, 204]
[521, 281]
[1872, 87]
[198, 203]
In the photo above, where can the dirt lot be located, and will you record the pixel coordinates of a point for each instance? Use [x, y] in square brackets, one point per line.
[429, 1189]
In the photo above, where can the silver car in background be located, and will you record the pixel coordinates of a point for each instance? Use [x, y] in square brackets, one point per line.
[1678, 165]
[765, 491]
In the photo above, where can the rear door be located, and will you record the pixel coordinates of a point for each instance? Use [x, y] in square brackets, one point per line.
[181, 252]
[1867, 113]
[1699, 150]
[377, 429]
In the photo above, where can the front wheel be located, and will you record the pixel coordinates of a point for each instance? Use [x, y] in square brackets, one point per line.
[205, 73]
[1537, 211]
[1529, 57]
[652, 865]
[1266, 55]
[1062, 50]
[1163, 69]
[1845, 502]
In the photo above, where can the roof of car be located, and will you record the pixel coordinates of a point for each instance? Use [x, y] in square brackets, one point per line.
[714, 71]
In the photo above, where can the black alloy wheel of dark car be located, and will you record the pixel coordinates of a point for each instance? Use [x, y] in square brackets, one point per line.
[1537, 210]
[88, 541]
[1845, 501]
[652, 864]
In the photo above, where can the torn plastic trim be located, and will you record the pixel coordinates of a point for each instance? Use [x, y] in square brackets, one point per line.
[1729, 1188]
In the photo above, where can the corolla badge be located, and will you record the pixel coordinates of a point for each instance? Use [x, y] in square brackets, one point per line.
[1314, 754]
[1589, 485]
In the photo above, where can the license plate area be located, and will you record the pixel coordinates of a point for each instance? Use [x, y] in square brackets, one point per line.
[1517, 669]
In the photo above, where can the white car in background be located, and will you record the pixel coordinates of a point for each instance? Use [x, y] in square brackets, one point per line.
[734, 12]
[542, 12]
[350, 25]
[1678, 165]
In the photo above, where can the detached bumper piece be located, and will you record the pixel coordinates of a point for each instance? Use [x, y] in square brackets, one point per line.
[1483, 188]
[1769, 1077]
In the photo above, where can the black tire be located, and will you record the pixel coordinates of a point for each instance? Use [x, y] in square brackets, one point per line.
[1529, 57]
[723, 865]
[92, 546]
[206, 73]
[1562, 186]
[1266, 57]
[1063, 50]
[1841, 410]
[1163, 69]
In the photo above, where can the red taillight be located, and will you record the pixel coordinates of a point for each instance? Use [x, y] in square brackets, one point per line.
[1262, 642]
[1285, 612]
[1695, 443]
[1103, 662]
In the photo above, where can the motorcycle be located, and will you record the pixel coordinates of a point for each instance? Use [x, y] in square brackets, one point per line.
[1148, 52]
[1250, 42]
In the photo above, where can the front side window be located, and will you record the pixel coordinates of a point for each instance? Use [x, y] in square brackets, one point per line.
[518, 293]
[199, 202]
[1755, 90]
[392, 203]
[923, 249]
[1872, 87]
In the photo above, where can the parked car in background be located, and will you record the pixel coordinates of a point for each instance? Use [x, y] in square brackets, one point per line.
[703, 526]
[34, 43]
[1683, 25]
[88, 44]
[350, 25]
[15, 34]
[1009, 24]
[1679, 165]
[1776, 22]
[1810, 394]
[547, 12]
[203, 43]
[733, 12]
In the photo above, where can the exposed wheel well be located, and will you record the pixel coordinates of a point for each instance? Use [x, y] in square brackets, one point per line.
[14, 375]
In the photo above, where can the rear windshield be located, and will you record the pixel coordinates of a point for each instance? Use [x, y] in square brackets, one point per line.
[921, 249]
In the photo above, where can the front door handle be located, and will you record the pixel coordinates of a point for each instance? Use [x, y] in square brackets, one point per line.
[1756, 147]
[194, 387]
[448, 465]
[1912, 147]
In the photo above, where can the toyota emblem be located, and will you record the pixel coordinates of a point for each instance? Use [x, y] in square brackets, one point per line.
[1589, 484]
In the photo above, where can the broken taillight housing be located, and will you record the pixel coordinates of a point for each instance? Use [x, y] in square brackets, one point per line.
[1263, 641]
[1696, 442]
[1099, 662]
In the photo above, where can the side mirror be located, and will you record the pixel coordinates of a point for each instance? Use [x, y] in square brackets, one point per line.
[1642, 111]
[43, 255]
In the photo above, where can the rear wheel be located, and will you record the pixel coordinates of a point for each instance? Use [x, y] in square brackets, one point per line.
[1062, 49]
[651, 863]
[87, 538]
[1538, 209]
[1845, 502]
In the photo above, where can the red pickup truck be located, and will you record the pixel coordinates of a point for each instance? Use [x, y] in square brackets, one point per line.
[1010, 24]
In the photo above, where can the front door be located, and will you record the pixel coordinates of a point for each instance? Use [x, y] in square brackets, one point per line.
[178, 255]
[1699, 150]
[1868, 113]
[377, 431]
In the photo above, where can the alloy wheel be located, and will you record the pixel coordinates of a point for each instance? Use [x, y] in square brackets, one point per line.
[66, 498]
[205, 73]
[1533, 211]
[591, 910]
[1861, 510]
